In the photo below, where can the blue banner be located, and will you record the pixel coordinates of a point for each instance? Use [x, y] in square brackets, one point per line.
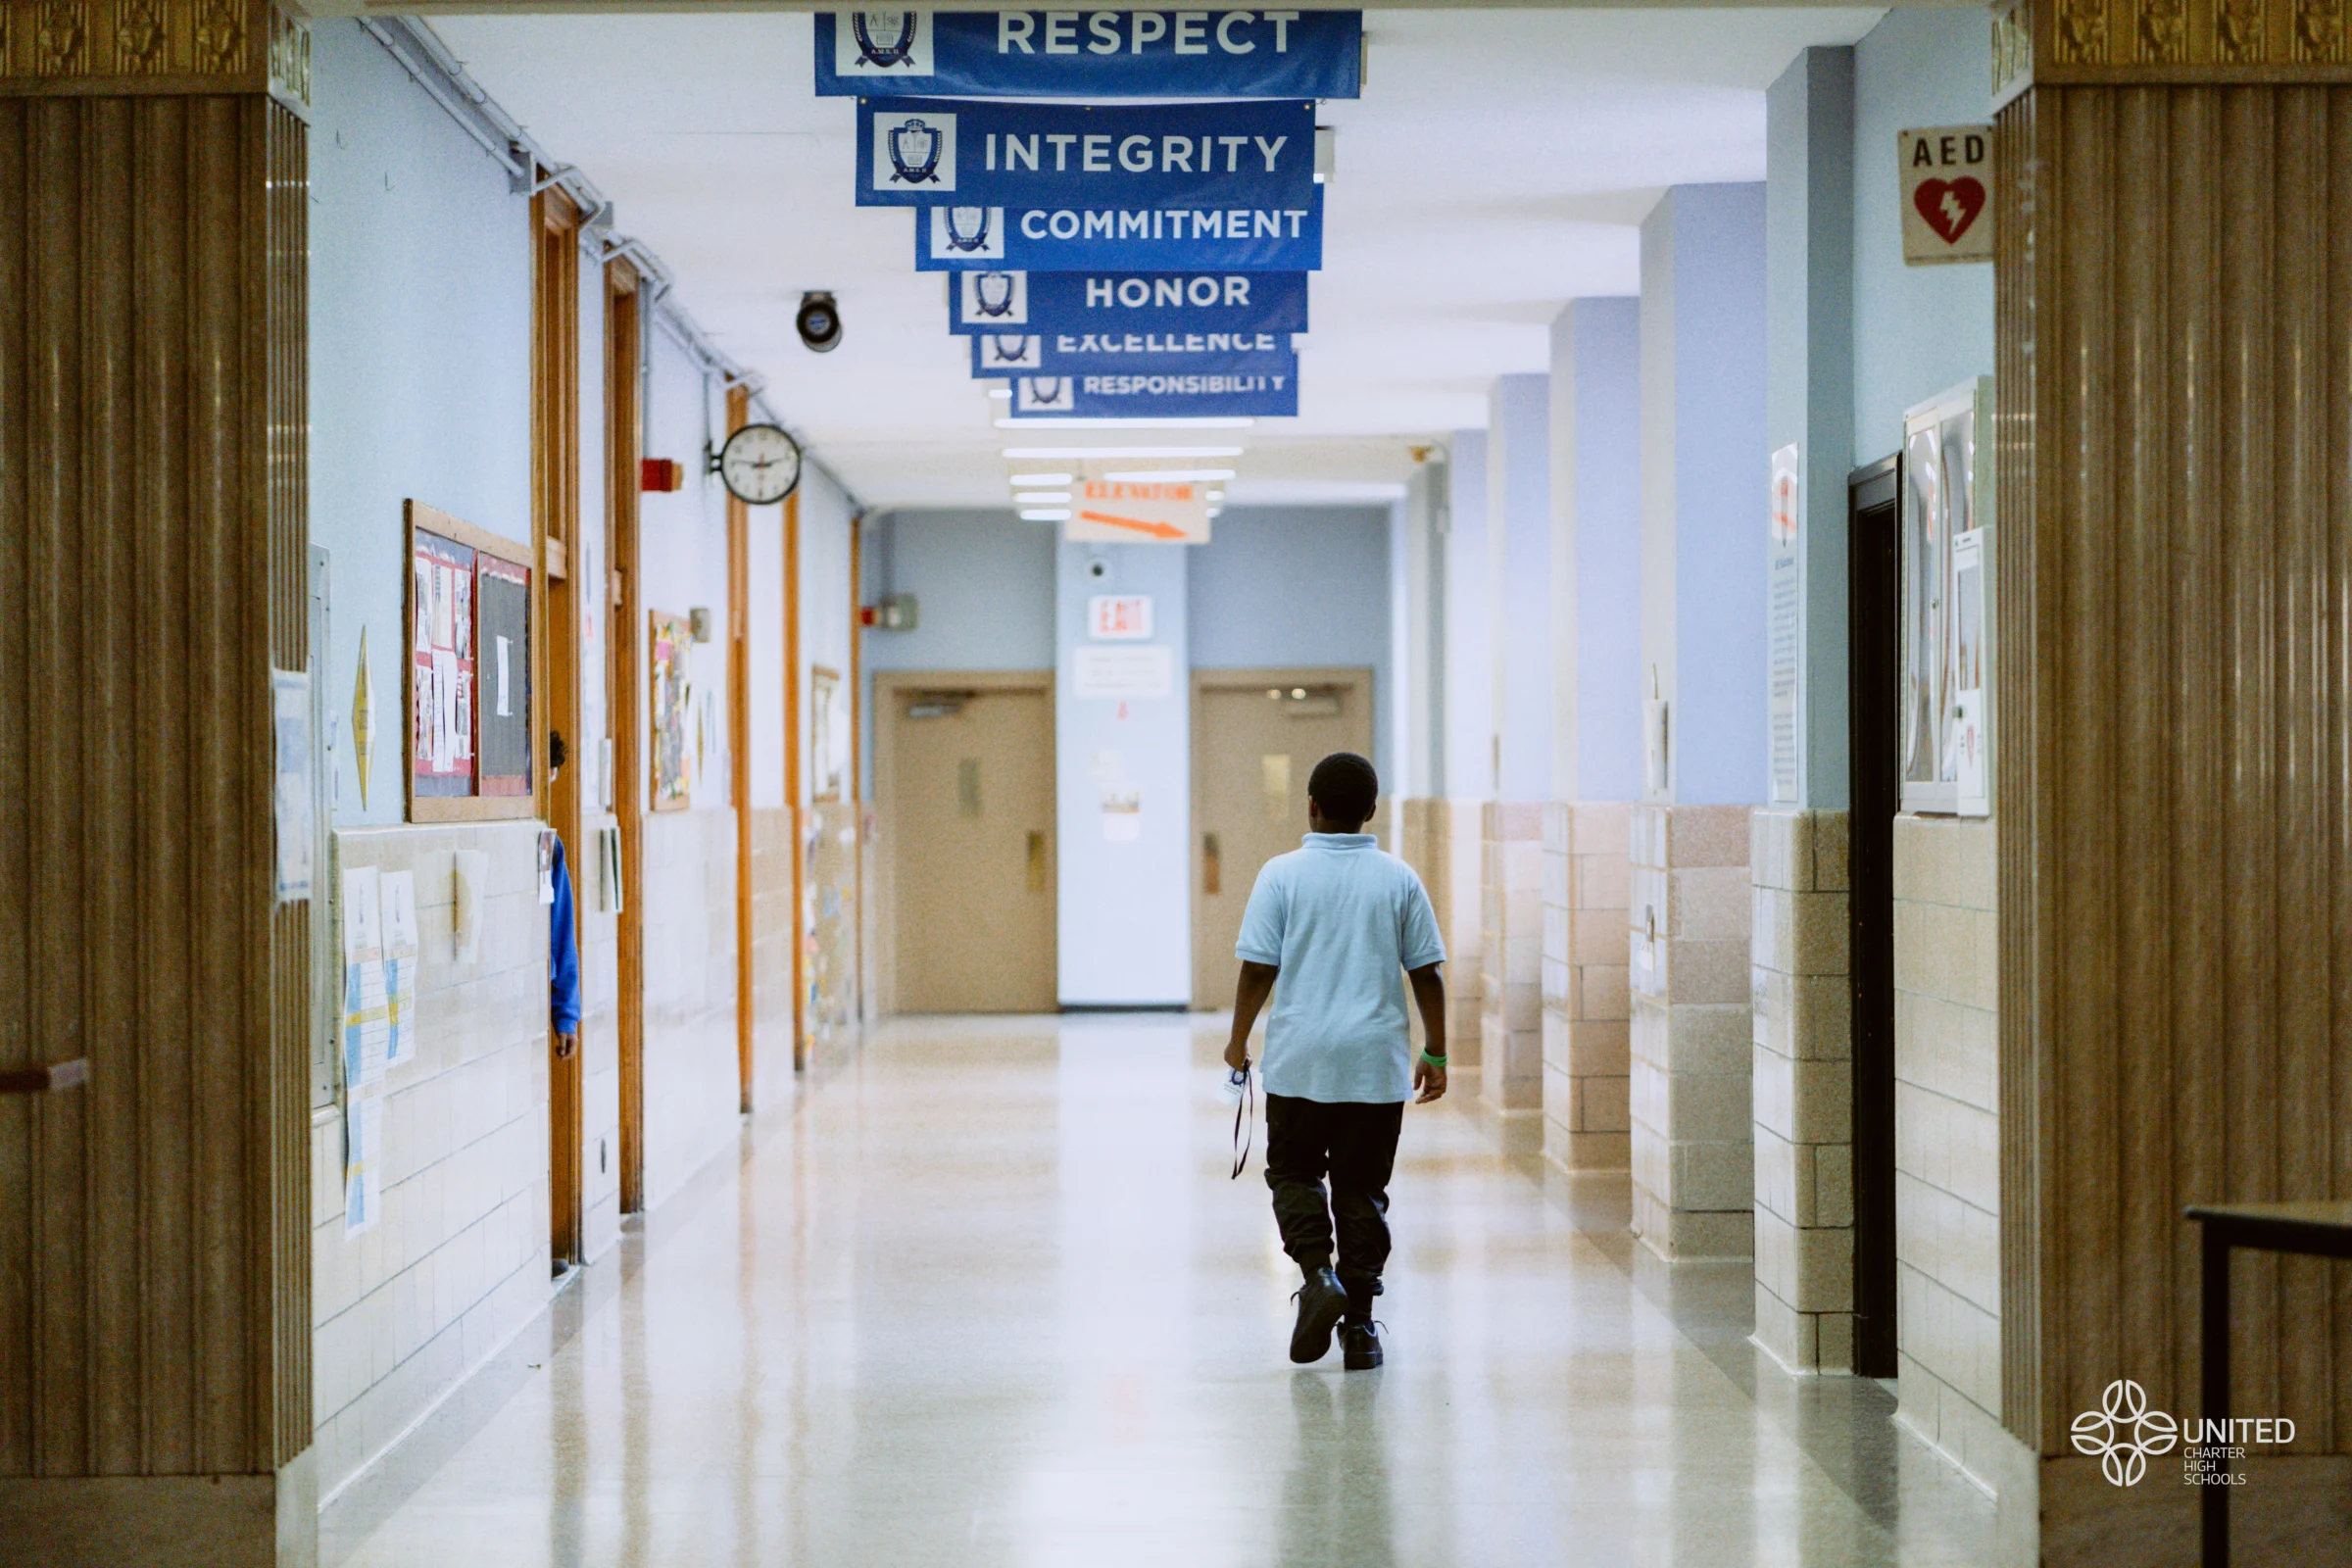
[1126, 303]
[1136, 239]
[914, 152]
[1090, 54]
[999, 355]
[1183, 396]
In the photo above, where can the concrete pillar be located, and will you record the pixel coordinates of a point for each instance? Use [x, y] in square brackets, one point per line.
[1803, 1035]
[1703, 506]
[1466, 746]
[1596, 731]
[1511, 822]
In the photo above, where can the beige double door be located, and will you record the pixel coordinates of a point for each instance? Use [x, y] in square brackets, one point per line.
[1257, 735]
[969, 790]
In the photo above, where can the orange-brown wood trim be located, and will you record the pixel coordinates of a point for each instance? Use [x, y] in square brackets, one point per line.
[794, 740]
[739, 759]
[624, 706]
[856, 801]
[555, 649]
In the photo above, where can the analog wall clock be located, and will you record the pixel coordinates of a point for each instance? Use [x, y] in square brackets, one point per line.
[761, 464]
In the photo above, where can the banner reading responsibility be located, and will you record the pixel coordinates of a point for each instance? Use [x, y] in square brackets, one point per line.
[1156, 397]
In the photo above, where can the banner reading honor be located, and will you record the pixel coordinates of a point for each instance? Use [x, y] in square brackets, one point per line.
[1090, 54]
[1128, 301]
[915, 151]
[1229, 354]
[1068, 239]
[1189, 395]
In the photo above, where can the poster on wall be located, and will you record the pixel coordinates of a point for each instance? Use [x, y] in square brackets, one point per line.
[1783, 604]
[828, 736]
[672, 643]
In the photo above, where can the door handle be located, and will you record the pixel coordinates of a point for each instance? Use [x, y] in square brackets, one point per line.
[1212, 870]
[1037, 862]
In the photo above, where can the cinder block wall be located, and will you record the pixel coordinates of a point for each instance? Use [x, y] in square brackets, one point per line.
[1803, 1046]
[1587, 1005]
[1511, 938]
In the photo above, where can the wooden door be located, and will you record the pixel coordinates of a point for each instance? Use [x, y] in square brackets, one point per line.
[1256, 738]
[625, 700]
[971, 831]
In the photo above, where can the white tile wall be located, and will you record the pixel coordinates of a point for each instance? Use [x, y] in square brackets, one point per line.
[693, 1086]
[459, 1259]
[1586, 1000]
[1512, 954]
[1946, 1121]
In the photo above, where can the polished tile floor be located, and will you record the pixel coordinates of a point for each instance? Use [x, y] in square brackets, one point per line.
[985, 1295]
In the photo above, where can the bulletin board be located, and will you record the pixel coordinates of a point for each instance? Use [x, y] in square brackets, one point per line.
[467, 676]
[672, 642]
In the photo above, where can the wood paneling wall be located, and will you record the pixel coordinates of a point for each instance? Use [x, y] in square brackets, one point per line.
[154, 1252]
[2175, 622]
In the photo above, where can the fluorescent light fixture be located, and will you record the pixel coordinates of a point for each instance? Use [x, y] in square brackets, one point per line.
[1169, 475]
[1000, 392]
[1125, 424]
[1033, 498]
[1041, 478]
[1081, 454]
[1046, 515]
[1216, 495]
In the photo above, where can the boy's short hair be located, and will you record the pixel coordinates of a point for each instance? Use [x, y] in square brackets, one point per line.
[1345, 786]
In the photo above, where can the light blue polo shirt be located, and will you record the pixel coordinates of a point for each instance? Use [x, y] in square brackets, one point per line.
[1343, 920]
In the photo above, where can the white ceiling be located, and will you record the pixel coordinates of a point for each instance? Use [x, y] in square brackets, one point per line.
[1496, 167]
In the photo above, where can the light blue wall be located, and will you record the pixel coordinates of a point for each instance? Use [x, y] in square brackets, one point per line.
[1597, 479]
[1279, 586]
[1519, 566]
[1705, 486]
[1469, 615]
[1809, 237]
[420, 362]
[682, 555]
[1918, 330]
[1124, 915]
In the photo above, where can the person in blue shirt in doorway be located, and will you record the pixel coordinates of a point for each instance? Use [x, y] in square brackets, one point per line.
[1343, 925]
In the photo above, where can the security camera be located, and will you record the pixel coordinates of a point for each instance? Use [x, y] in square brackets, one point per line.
[1098, 568]
[819, 323]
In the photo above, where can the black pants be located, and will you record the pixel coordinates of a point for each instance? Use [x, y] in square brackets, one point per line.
[1356, 1145]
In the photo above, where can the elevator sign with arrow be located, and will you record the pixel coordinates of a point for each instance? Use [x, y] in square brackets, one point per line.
[1127, 513]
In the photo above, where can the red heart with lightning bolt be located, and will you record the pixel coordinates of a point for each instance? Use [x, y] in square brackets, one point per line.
[1949, 206]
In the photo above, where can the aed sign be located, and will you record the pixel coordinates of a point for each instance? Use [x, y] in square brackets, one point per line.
[1142, 238]
[1119, 617]
[915, 151]
[1125, 303]
[1947, 193]
[1090, 54]
[1126, 511]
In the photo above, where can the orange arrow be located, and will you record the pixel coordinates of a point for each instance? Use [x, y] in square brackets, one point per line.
[1157, 531]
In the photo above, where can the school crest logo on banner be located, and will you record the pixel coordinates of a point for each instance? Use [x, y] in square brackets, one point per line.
[882, 43]
[968, 233]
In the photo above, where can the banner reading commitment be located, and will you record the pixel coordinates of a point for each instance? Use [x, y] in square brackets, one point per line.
[917, 151]
[1126, 303]
[1133, 239]
[1090, 54]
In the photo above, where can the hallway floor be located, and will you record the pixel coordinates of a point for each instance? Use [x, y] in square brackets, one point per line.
[985, 1295]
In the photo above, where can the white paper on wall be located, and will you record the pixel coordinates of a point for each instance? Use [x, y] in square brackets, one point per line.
[363, 1163]
[401, 951]
[366, 1020]
[470, 874]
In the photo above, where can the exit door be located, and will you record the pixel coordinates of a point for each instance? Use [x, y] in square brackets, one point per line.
[1257, 735]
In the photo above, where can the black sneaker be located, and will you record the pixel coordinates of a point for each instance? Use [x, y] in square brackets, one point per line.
[1321, 1300]
[1359, 1344]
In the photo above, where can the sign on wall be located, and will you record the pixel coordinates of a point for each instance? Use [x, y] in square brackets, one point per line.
[1947, 193]
[1783, 624]
[1091, 54]
[1128, 303]
[1114, 239]
[1130, 512]
[915, 151]
[1189, 396]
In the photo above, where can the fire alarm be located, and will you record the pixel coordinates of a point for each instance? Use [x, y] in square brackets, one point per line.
[660, 474]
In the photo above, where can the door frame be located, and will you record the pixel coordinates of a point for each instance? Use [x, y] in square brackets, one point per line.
[1256, 678]
[556, 524]
[1870, 914]
[626, 306]
[888, 684]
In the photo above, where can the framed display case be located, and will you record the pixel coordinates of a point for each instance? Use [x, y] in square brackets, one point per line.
[1948, 513]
